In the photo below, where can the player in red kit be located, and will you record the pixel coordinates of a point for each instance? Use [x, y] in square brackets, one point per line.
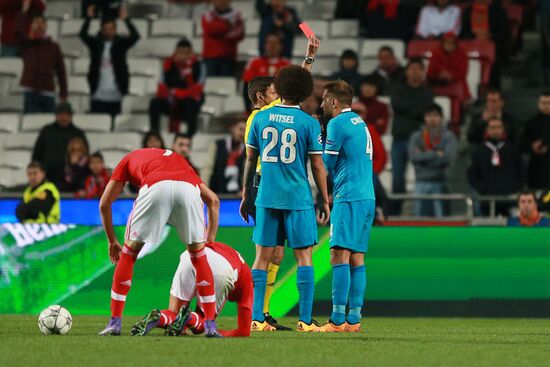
[232, 281]
[170, 192]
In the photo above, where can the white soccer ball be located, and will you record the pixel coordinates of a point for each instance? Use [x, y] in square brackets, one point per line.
[55, 320]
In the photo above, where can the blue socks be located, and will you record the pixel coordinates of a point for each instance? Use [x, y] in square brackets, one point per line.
[305, 281]
[259, 277]
[340, 290]
[356, 293]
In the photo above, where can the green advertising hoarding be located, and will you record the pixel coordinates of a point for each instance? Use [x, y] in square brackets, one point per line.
[47, 264]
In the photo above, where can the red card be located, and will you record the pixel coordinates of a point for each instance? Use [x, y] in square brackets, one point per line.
[307, 30]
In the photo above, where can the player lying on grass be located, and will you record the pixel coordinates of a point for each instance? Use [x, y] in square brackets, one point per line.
[262, 95]
[170, 192]
[232, 281]
[284, 137]
[348, 157]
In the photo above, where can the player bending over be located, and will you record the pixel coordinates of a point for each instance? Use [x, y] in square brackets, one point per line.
[232, 281]
[284, 136]
[262, 95]
[348, 157]
[170, 192]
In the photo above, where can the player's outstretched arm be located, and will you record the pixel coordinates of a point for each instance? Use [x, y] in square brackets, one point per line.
[112, 191]
[312, 47]
[249, 165]
[213, 204]
[320, 176]
[244, 319]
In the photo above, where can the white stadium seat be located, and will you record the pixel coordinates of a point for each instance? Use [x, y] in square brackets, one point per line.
[221, 85]
[137, 123]
[214, 104]
[112, 158]
[11, 103]
[11, 66]
[71, 27]
[155, 47]
[202, 142]
[93, 122]
[135, 104]
[78, 85]
[73, 46]
[247, 9]
[172, 27]
[10, 177]
[474, 76]
[62, 9]
[93, 140]
[120, 142]
[252, 27]
[53, 29]
[234, 104]
[367, 64]
[16, 159]
[21, 141]
[335, 47]
[371, 46]
[81, 66]
[9, 122]
[344, 28]
[145, 66]
[445, 104]
[248, 47]
[36, 121]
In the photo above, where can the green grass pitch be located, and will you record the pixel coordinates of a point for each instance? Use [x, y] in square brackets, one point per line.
[386, 342]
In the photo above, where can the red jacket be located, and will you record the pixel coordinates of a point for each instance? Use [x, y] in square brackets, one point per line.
[42, 60]
[221, 33]
[94, 186]
[263, 66]
[182, 81]
[455, 63]
[10, 10]
[379, 154]
[377, 114]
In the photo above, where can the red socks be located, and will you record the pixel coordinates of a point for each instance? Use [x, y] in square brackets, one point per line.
[205, 283]
[122, 280]
[166, 318]
[195, 323]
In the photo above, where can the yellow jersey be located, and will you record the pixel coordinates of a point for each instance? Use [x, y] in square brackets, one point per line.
[249, 123]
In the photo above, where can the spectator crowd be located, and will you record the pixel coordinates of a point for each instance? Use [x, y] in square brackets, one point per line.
[397, 100]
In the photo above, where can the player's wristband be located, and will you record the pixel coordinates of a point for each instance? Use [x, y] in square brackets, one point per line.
[309, 60]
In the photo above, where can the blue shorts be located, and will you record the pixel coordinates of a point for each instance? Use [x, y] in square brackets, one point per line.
[274, 226]
[350, 224]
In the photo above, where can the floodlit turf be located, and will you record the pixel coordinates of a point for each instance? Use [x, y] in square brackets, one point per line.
[388, 342]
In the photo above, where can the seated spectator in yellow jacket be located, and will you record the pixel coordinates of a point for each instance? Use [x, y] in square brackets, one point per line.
[529, 215]
[40, 199]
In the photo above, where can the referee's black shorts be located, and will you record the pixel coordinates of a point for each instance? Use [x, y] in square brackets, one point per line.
[253, 193]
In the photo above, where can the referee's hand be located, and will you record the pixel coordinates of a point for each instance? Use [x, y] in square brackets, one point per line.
[244, 209]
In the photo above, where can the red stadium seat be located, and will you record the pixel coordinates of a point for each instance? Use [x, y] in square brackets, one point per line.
[421, 48]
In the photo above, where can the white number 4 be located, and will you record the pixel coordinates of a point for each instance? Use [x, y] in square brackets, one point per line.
[370, 150]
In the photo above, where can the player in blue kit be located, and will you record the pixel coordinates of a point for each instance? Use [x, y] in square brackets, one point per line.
[284, 137]
[348, 158]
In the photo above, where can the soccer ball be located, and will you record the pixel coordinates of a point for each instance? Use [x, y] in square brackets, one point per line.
[55, 320]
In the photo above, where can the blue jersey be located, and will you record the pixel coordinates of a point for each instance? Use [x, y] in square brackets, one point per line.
[284, 137]
[348, 157]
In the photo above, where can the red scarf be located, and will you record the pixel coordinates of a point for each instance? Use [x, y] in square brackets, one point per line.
[234, 153]
[390, 7]
[531, 220]
[428, 142]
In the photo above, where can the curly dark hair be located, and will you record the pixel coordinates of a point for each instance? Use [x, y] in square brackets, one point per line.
[293, 84]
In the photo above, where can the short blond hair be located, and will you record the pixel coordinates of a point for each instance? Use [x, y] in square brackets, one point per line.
[340, 90]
